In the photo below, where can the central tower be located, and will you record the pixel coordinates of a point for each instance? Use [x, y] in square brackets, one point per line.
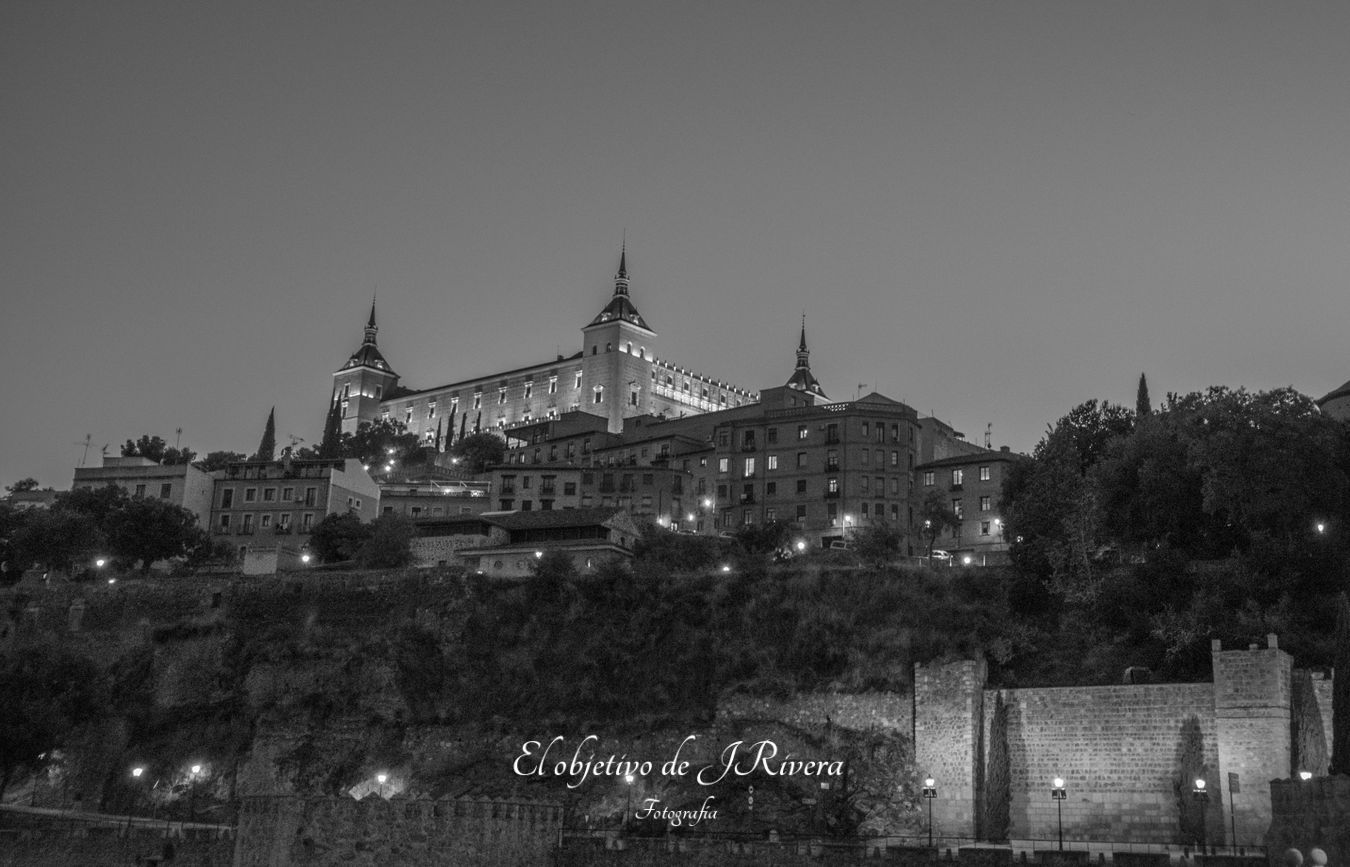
[619, 347]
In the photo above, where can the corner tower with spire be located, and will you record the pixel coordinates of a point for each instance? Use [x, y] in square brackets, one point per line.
[364, 381]
[618, 347]
[802, 378]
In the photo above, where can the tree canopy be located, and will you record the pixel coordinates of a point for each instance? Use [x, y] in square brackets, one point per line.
[157, 450]
[479, 451]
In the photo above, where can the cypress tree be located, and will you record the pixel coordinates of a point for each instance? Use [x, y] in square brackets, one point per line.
[437, 443]
[998, 776]
[1310, 743]
[330, 446]
[1142, 405]
[267, 449]
[1190, 765]
[1340, 691]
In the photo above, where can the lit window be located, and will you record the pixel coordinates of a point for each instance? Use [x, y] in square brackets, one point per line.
[431, 409]
[957, 476]
[928, 479]
[984, 504]
[801, 431]
[956, 508]
[477, 400]
[599, 395]
[984, 474]
[577, 384]
[722, 464]
[529, 387]
[895, 459]
[266, 521]
[749, 467]
[984, 528]
[772, 462]
[832, 486]
[553, 385]
[501, 395]
[284, 519]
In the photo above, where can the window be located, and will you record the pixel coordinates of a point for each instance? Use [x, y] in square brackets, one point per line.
[801, 431]
[832, 486]
[723, 464]
[227, 498]
[984, 528]
[165, 490]
[801, 486]
[529, 387]
[224, 522]
[801, 460]
[724, 438]
[956, 507]
[306, 520]
[310, 496]
[771, 488]
[862, 508]
[501, 395]
[747, 517]
[832, 512]
[895, 486]
[831, 433]
[599, 395]
[140, 490]
[633, 398]
[895, 433]
[895, 459]
[553, 385]
[957, 476]
[771, 462]
[771, 436]
[866, 430]
[577, 385]
[832, 460]
[984, 474]
[749, 468]
[284, 519]
[287, 494]
[477, 400]
[928, 479]
[721, 492]
[266, 521]
[865, 486]
[248, 524]
[865, 457]
[250, 494]
[269, 495]
[881, 457]
[570, 489]
[984, 504]
[801, 511]
[431, 409]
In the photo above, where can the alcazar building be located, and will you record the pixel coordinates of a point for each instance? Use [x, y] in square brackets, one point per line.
[616, 375]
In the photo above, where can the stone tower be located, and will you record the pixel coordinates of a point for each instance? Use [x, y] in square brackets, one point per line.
[619, 348]
[365, 380]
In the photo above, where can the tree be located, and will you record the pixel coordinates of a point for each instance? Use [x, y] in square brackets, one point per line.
[1340, 692]
[267, 447]
[56, 539]
[1309, 737]
[1190, 767]
[389, 543]
[1142, 406]
[28, 484]
[936, 515]
[48, 692]
[146, 530]
[155, 449]
[217, 460]
[879, 543]
[998, 776]
[330, 447]
[478, 451]
[337, 538]
[379, 442]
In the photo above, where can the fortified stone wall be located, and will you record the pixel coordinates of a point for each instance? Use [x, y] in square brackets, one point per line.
[281, 831]
[1116, 747]
[66, 848]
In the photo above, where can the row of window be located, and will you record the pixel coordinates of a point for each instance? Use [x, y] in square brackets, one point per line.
[269, 495]
[266, 521]
[868, 430]
[165, 490]
[958, 476]
[832, 488]
[771, 463]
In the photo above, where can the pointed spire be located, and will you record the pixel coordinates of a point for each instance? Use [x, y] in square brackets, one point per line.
[801, 347]
[802, 378]
[803, 354]
[621, 278]
[371, 327]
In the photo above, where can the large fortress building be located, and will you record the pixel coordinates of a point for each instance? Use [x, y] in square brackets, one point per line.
[616, 375]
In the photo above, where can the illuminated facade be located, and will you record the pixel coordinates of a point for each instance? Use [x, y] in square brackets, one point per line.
[616, 375]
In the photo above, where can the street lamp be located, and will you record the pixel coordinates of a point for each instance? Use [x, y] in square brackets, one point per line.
[929, 793]
[136, 773]
[1305, 776]
[1059, 793]
[1202, 797]
[628, 810]
[195, 771]
[381, 778]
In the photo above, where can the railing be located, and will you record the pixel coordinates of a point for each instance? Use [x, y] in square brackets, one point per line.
[832, 495]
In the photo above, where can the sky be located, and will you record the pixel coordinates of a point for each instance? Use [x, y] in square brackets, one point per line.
[991, 211]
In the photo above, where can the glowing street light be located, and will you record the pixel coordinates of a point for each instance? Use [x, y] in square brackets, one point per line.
[1321, 527]
[726, 567]
[1201, 796]
[381, 778]
[1059, 793]
[1305, 776]
[101, 562]
[628, 811]
[929, 794]
[306, 557]
[801, 545]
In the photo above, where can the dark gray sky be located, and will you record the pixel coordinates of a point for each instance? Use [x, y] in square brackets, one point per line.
[991, 211]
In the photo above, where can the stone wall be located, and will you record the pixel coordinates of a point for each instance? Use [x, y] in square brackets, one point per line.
[1116, 747]
[282, 831]
[865, 712]
[948, 709]
[85, 848]
[1310, 814]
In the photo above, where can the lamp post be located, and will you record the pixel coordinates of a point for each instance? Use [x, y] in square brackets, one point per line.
[192, 792]
[1059, 793]
[136, 773]
[1201, 797]
[381, 778]
[628, 810]
[929, 793]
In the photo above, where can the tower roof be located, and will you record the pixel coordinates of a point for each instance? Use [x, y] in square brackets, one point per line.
[802, 378]
[368, 354]
[620, 306]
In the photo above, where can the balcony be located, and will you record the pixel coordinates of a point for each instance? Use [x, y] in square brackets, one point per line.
[832, 439]
[750, 447]
[831, 495]
[747, 498]
[547, 490]
[831, 466]
[508, 489]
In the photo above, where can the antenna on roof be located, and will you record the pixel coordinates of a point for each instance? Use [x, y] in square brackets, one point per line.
[88, 438]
